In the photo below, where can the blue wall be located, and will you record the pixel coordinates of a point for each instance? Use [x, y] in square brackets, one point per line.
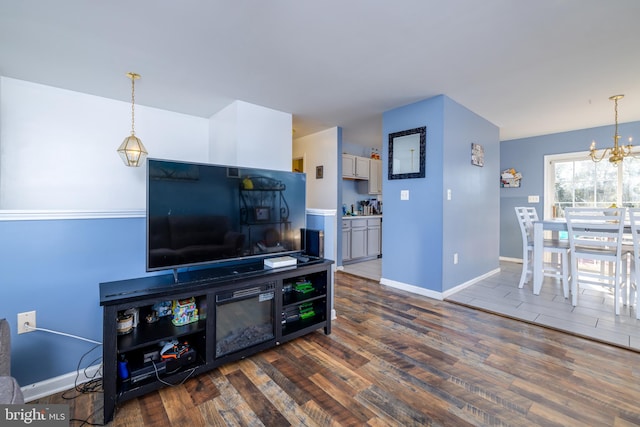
[421, 234]
[412, 229]
[526, 155]
[471, 219]
[328, 225]
[54, 267]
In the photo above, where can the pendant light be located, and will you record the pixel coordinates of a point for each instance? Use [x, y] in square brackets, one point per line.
[131, 150]
[618, 152]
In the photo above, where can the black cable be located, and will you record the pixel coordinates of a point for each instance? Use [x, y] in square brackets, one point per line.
[155, 368]
[94, 385]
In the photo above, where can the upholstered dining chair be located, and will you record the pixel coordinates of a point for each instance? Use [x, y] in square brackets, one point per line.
[595, 236]
[559, 265]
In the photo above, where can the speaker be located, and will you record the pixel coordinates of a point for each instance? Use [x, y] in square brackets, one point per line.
[312, 242]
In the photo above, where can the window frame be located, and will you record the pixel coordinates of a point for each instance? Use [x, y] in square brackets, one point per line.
[549, 177]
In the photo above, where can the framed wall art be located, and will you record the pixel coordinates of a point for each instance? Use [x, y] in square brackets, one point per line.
[477, 154]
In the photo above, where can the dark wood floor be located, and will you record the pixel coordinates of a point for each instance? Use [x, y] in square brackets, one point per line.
[395, 358]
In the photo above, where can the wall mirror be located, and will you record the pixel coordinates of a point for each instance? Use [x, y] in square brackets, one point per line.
[407, 153]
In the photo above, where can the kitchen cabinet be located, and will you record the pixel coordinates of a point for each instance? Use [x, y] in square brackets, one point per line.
[374, 233]
[358, 238]
[355, 167]
[361, 238]
[374, 184]
[346, 240]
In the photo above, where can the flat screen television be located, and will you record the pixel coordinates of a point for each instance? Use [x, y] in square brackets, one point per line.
[201, 214]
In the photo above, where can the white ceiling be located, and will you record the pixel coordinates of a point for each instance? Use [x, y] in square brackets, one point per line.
[529, 67]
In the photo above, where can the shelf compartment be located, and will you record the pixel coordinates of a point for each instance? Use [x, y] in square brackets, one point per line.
[309, 288]
[152, 333]
[296, 317]
[141, 360]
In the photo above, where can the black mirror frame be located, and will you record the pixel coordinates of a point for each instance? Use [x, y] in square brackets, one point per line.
[422, 132]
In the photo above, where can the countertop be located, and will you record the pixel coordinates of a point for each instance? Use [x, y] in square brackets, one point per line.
[361, 216]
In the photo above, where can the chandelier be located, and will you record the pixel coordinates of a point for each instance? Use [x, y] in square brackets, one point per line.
[131, 150]
[617, 153]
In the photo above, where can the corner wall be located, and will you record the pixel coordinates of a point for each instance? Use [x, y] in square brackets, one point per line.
[412, 230]
[249, 135]
[320, 149]
[471, 219]
[420, 235]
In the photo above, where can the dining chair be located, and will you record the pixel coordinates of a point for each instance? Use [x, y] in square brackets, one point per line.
[634, 219]
[595, 237]
[559, 265]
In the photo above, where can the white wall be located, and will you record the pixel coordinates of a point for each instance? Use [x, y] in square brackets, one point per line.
[58, 148]
[249, 135]
[320, 149]
[223, 136]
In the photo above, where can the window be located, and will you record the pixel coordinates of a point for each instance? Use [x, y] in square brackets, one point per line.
[574, 180]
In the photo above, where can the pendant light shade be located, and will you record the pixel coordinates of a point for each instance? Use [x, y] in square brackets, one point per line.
[132, 151]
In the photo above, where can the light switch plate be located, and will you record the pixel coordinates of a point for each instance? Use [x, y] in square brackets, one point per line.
[534, 199]
[404, 194]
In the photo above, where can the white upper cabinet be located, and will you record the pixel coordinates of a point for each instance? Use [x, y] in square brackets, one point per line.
[355, 167]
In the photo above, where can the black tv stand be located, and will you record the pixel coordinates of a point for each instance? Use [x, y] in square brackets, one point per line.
[285, 303]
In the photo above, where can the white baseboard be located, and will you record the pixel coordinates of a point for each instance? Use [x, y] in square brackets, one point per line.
[411, 288]
[517, 260]
[473, 281]
[61, 383]
[434, 294]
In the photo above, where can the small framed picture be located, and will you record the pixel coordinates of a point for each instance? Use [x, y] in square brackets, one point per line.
[319, 172]
[262, 213]
[477, 154]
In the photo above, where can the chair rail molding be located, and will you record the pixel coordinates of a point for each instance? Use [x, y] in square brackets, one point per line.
[34, 215]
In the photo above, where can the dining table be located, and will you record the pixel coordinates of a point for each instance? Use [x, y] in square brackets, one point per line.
[539, 227]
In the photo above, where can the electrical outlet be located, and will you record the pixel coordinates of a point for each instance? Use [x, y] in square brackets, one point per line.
[26, 317]
[455, 258]
[404, 194]
[449, 194]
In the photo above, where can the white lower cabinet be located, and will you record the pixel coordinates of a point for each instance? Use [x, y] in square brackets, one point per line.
[361, 238]
[374, 233]
[358, 238]
[346, 240]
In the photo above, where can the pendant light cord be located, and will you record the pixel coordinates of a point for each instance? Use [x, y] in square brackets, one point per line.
[133, 83]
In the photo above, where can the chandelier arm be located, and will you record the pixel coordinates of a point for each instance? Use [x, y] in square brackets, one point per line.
[595, 157]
